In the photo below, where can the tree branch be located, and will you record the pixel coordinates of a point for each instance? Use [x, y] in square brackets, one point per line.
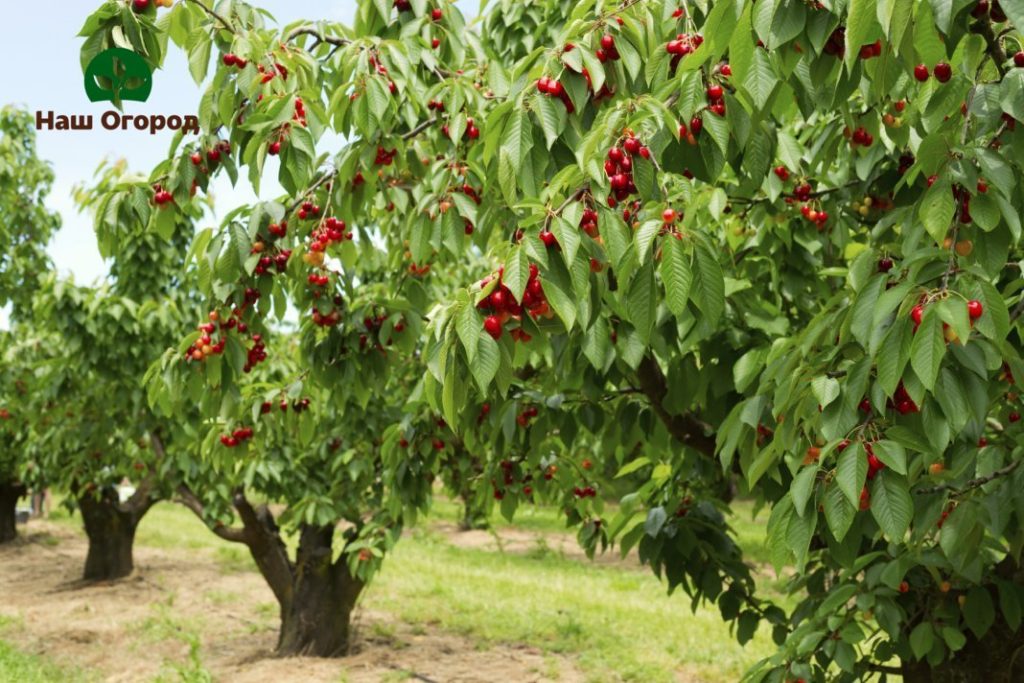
[973, 483]
[685, 428]
[187, 498]
[267, 548]
[885, 669]
[213, 14]
[320, 36]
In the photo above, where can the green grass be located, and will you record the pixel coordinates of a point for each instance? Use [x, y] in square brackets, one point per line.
[614, 622]
[25, 668]
[618, 624]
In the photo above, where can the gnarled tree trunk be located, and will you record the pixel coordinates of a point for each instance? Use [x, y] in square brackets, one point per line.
[315, 621]
[316, 596]
[111, 532]
[10, 492]
[110, 526]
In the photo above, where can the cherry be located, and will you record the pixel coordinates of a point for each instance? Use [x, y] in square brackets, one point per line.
[865, 499]
[548, 238]
[229, 59]
[943, 72]
[982, 442]
[274, 149]
[492, 325]
[715, 92]
[196, 158]
[975, 309]
[696, 123]
[436, 14]
[607, 43]
[921, 73]
[437, 444]
[213, 156]
[140, 5]
[726, 70]
[782, 172]
[615, 155]
[916, 313]
[904, 587]
[1013, 417]
[435, 43]
[632, 146]
[885, 264]
[1018, 59]
[668, 215]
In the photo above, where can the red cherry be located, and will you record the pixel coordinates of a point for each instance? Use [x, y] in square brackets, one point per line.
[782, 172]
[943, 72]
[274, 149]
[1018, 59]
[435, 43]
[885, 264]
[982, 442]
[615, 155]
[197, 158]
[436, 14]
[1013, 417]
[228, 59]
[607, 42]
[975, 309]
[668, 215]
[916, 313]
[726, 70]
[632, 146]
[492, 325]
[696, 123]
[921, 73]
[140, 5]
[715, 92]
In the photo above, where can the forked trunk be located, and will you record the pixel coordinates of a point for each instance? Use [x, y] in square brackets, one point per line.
[10, 492]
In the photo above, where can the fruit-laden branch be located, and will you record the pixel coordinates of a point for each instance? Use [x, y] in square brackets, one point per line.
[189, 499]
[329, 175]
[685, 428]
[973, 483]
[143, 499]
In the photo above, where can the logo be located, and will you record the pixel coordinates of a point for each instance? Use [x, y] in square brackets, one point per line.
[116, 75]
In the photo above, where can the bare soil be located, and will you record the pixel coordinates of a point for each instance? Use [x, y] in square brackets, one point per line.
[145, 626]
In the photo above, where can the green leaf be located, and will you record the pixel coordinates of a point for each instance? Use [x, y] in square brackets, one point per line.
[851, 473]
[676, 274]
[942, 10]
[199, 58]
[891, 504]
[760, 79]
[485, 365]
[708, 291]
[839, 512]
[937, 210]
[921, 639]
[517, 272]
[979, 612]
[642, 302]
[928, 348]
[895, 17]
[826, 390]
[803, 487]
[860, 20]
[892, 454]
[469, 325]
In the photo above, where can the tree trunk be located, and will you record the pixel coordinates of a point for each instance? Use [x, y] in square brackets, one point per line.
[10, 492]
[997, 658]
[111, 532]
[316, 619]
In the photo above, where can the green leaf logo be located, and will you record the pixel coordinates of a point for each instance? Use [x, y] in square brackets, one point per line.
[116, 75]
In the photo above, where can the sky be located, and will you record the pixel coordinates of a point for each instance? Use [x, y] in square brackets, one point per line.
[41, 52]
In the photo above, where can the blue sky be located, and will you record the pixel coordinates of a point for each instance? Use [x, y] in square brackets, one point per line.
[40, 51]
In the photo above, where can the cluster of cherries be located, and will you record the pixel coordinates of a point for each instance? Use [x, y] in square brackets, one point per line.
[331, 231]
[523, 418]
[942, 71]
[385, 157]
[682, 45]
[716, 104]
[860, 136]
[554, 88]
[231, 59]
[161, 197]
[619, 168]
[501, 305]
[975, 310]
[871, 50]
[274, 71]
[607, 52]
[588, 222]
[237, 437]
[278, 261]
[142, 5]
[584, 492]
[213, 155]
[902, 402]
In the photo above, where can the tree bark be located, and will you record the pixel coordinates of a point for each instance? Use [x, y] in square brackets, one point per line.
[10, 492]
[111, 532]
[316, 620]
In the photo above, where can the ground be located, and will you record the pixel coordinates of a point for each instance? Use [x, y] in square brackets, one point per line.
[518, 604]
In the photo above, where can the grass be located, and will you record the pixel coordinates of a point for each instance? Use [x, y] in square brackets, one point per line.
[615, 622]
[25, 668]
